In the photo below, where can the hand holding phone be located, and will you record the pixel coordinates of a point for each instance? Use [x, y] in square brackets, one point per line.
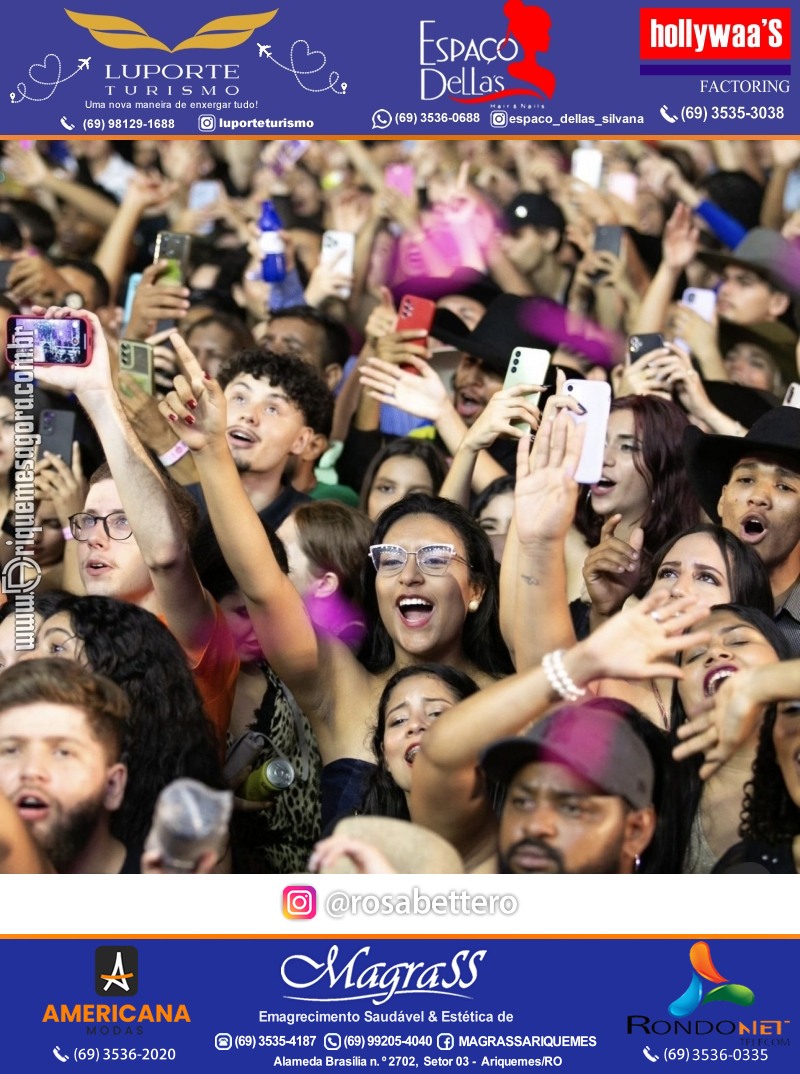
[136, 358]
[640, 345]
[338, 254]
[415, 312]
[49, 340]
[527, 365]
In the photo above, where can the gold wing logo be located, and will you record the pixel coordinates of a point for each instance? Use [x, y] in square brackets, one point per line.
[115, 32]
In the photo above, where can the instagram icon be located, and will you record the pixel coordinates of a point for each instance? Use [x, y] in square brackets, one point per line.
[299, 903]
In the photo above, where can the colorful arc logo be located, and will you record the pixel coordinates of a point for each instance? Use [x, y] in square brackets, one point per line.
[703, 966]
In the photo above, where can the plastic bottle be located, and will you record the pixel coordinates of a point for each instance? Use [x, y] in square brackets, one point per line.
[273, 254]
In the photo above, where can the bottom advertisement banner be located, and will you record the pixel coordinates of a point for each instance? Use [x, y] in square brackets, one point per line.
[258, 1004]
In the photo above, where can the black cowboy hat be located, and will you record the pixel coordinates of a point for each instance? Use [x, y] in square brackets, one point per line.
[500, 329]
[709, 459]
[774, 337]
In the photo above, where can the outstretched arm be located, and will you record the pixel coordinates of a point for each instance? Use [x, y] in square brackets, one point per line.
[279, 617]
[447, 792]
[153, 518]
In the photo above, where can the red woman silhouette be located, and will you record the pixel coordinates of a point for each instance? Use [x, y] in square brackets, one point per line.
[530, 27]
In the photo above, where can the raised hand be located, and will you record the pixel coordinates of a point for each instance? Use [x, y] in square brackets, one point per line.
[613, 567]
[422, 393]
[546, 492]
[196, 406]
[642, 642]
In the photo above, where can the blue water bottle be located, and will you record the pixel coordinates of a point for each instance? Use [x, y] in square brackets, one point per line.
[273, 252]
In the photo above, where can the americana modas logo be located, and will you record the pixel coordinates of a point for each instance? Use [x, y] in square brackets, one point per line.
[227, 32]
[116, 971]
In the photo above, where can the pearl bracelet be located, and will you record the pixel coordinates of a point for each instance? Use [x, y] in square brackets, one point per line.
[558, 677]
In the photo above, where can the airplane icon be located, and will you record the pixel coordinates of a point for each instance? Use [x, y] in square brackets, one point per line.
[264, 50]
[83, 65]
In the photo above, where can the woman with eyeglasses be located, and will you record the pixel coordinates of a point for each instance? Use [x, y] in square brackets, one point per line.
[430, 591]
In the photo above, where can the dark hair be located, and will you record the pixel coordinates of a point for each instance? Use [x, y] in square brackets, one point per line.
[769, 814]
[659, 425]
[34, 218]
[185, 506]
[747, 576]
[498, 487]
[240, 334]
[382, 796]
[302, 383]
[88, 268]
[407, 447]
[736, 193]
[482, 641]
[336, 339]
[689, 787]
[212, 567]
[59, 682]
[168, 733]
[10, 234]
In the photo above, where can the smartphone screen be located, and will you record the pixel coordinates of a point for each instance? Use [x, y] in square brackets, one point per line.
[172, 249]
[49, 340]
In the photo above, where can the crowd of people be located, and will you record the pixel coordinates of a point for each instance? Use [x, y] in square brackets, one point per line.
[336, 567]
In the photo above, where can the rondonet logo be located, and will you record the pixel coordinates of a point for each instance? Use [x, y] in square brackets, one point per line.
[227, 32]
[360, 977]
[703, 969]
[716, 33]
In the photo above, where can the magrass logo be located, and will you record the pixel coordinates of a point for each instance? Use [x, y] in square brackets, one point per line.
[703, 969]
[116, 971]
[227, 32]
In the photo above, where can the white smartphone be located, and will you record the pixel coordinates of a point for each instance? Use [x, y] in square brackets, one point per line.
[587, 165]
[703, 301]
[339, 247]
[595, 397]
[527, 365]
[792, 397]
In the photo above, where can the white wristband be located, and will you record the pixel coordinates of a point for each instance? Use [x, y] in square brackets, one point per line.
[177, 452]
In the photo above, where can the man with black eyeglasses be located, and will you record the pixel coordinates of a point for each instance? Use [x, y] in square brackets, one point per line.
[133, 534]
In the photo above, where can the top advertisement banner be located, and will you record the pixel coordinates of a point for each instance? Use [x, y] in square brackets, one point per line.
[505, 68]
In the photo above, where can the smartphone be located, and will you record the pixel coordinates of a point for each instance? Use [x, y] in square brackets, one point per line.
[609, 237]
[49, 340]
[57, 430]
[202, 194]
[339, 247]
[595, 397]
[134, 280]
[242, 753]
[400, 177]
[173, 247]
[587, 165]
[642, 344]
[5, 268]
[137, 359]
[702, 300]
[527, 365]
[415, 312]
[792, 397]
